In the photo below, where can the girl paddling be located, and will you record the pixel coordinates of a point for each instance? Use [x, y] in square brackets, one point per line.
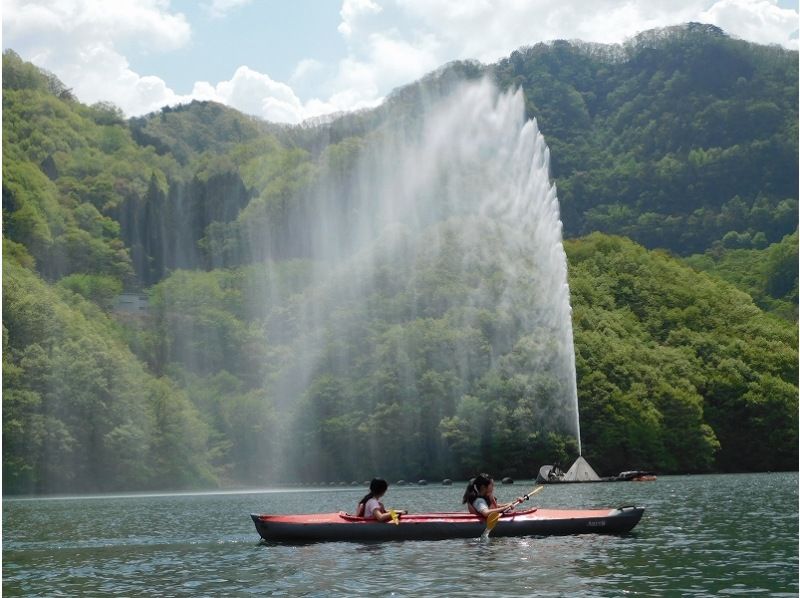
[479, 497]
[370, 506]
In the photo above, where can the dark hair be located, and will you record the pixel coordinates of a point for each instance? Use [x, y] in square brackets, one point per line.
[473, 488]
[376, 486]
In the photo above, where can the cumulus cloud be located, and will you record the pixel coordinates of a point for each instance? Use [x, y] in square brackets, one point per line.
[254, 93]
[220, 8]
[352, 11]
[304, 68]
[386, 61]
[48, 25]
[78, 41]
[760, 21]
[99, 73]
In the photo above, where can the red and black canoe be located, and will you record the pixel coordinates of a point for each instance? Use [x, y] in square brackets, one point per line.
[439, 526]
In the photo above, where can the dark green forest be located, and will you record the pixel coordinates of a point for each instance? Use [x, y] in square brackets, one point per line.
[675, 156]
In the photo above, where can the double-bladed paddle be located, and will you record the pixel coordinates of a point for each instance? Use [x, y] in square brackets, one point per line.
[493, 518]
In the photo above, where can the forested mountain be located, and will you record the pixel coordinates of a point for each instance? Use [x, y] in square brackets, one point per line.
[682, 140]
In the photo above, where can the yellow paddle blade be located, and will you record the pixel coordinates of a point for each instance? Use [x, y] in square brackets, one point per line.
[491, 521]
[395, 518]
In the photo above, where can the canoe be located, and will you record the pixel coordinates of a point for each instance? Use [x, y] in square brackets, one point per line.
[343, 527]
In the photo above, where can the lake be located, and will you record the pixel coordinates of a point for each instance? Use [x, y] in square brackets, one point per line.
[703, 535]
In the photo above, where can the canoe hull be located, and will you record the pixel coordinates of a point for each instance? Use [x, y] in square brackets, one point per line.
[340, 527]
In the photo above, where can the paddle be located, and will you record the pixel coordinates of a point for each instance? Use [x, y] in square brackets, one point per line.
[395, 518]
[491, 520]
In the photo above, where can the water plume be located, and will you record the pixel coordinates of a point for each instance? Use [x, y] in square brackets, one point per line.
[436, 253]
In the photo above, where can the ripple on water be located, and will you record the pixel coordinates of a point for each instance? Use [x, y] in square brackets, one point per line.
[696, 539]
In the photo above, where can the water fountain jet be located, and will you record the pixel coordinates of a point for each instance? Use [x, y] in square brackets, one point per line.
[448, 218]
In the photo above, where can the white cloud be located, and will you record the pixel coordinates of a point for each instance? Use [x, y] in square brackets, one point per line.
[760, 21]
[399, 60]
[77, 40]
[304, 68]
[354, 10]
[388, 61]
[53, 23]
[99, 73]
[220, 8]
[254, 93]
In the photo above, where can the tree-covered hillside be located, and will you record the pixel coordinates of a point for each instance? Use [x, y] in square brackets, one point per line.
[682, 140]
[676, 139]
[80, 412]
[769, 275]
[676, 369]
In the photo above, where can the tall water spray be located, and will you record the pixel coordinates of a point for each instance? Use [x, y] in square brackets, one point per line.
[458, 200]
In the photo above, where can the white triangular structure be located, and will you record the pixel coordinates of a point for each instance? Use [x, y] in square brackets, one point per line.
[581, 471]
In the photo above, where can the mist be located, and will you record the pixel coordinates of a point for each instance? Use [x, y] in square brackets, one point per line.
[434, 273]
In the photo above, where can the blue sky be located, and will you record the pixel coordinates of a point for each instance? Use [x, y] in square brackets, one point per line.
[271, 37]
[290, 60]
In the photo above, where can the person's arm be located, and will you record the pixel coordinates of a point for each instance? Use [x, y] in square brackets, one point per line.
[498, 509]
[504, 507]
[382, 516]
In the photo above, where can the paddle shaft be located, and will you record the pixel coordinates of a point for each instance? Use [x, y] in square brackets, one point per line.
[492, 520]
[525, 497]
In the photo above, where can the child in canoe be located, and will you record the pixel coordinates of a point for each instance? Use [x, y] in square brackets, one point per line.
[479, 497]
[370, 506]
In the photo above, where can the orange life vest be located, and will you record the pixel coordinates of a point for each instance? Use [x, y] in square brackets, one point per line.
[491, 501]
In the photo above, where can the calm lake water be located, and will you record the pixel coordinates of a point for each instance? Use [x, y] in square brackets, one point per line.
[700, 536]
